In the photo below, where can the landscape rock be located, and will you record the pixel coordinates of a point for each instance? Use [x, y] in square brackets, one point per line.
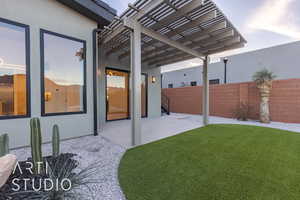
[7, 164]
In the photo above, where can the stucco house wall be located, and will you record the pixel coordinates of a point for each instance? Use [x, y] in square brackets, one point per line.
[53, 16]
[282, 60]
[56, 17]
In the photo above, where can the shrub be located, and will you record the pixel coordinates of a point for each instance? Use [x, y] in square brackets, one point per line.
[242, 112]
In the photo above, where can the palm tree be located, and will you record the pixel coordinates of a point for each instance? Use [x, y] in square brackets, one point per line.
[263, 80]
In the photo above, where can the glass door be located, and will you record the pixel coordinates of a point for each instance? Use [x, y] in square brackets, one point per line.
[117, 94]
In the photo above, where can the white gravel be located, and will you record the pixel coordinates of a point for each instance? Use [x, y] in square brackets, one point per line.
[91, 149]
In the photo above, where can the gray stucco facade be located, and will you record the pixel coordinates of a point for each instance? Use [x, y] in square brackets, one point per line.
[282, 60]
[64, 19]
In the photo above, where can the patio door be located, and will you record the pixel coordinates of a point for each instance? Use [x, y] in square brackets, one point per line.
[118, 94]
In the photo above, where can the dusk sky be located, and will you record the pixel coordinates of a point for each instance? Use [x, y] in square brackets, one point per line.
[263, 23]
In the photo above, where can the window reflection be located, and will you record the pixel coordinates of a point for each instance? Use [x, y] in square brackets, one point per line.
[13, 88]
[64, 85]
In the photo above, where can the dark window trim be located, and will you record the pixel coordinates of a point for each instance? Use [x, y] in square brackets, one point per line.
[193, 83]
[170, 85]
[28, 78]
[127, 71]
[214, 81]
[43, 114]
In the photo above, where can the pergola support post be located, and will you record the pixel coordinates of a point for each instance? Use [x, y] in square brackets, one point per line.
[205, 92]
[136, 71]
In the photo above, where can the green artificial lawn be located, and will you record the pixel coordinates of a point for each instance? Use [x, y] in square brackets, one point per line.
[218, 162]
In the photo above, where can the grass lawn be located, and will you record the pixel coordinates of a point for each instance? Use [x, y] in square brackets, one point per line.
[218, 162]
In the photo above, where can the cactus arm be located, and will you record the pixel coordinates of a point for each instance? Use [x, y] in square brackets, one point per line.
[4, 145]
[55, 141]
[36, 143]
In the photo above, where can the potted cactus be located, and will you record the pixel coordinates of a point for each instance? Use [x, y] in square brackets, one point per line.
[263, 80]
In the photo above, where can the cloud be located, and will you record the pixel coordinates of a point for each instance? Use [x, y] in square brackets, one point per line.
[275, 16]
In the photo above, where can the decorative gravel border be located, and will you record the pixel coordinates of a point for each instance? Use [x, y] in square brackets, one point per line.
[91, 149]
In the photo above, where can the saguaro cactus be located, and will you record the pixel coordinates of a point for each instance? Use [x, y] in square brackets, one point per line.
[4, 145]
[36, 144]
[55, 140]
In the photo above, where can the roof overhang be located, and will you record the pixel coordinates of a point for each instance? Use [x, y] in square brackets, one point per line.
[172, 31]
[93, 9]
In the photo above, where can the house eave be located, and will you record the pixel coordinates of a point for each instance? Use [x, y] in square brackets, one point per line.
[99, 12]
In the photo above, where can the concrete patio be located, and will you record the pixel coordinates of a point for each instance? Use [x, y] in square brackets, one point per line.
[119, 132]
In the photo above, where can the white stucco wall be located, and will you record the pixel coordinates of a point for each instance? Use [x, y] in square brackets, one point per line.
[52, 16]
[283, 60]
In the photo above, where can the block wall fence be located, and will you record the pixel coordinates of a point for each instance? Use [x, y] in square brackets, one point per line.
[225, 99]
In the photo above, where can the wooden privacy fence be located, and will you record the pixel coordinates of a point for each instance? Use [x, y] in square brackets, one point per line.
[225, 99]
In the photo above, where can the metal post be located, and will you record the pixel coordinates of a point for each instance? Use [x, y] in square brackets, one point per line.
[205, 101]
[225, 70]
[136, 84]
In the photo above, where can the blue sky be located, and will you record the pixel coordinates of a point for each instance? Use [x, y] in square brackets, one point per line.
[264, 23]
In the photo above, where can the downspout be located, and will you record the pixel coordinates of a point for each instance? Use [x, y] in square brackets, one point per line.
[95, 92]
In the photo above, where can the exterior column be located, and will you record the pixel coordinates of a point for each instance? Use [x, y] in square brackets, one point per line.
[136, 84]
[205, 92]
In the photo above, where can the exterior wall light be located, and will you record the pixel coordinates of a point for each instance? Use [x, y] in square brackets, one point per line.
[48, 96]
[153, 79]
[225, 60]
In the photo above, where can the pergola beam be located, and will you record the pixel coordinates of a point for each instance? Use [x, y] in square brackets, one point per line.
[178, 14]
[199, 43]
[174, 60]
[227, 41]
[153, 34]
[199, 36]
[197, 22]
[226, 48]
[153, 4]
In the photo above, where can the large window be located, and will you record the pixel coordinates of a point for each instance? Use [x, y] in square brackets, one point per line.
[63, 74]
[14, 70]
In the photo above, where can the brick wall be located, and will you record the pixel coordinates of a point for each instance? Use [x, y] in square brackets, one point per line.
[224, 100]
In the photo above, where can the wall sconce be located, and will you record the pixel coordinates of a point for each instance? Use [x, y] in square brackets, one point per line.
[80, 54]
[48, 96]
[153, 79]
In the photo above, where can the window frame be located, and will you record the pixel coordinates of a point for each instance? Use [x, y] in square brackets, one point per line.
[27, 61]
[42, 75]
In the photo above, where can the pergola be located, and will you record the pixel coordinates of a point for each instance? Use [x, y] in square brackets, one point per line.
[161, 32]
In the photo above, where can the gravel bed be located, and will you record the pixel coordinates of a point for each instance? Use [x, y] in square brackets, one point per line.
[91, 149]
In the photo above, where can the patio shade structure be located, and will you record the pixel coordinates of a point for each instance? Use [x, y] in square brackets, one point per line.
[161, 32]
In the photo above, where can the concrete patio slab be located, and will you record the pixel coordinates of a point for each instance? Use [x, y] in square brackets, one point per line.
[119, 132]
